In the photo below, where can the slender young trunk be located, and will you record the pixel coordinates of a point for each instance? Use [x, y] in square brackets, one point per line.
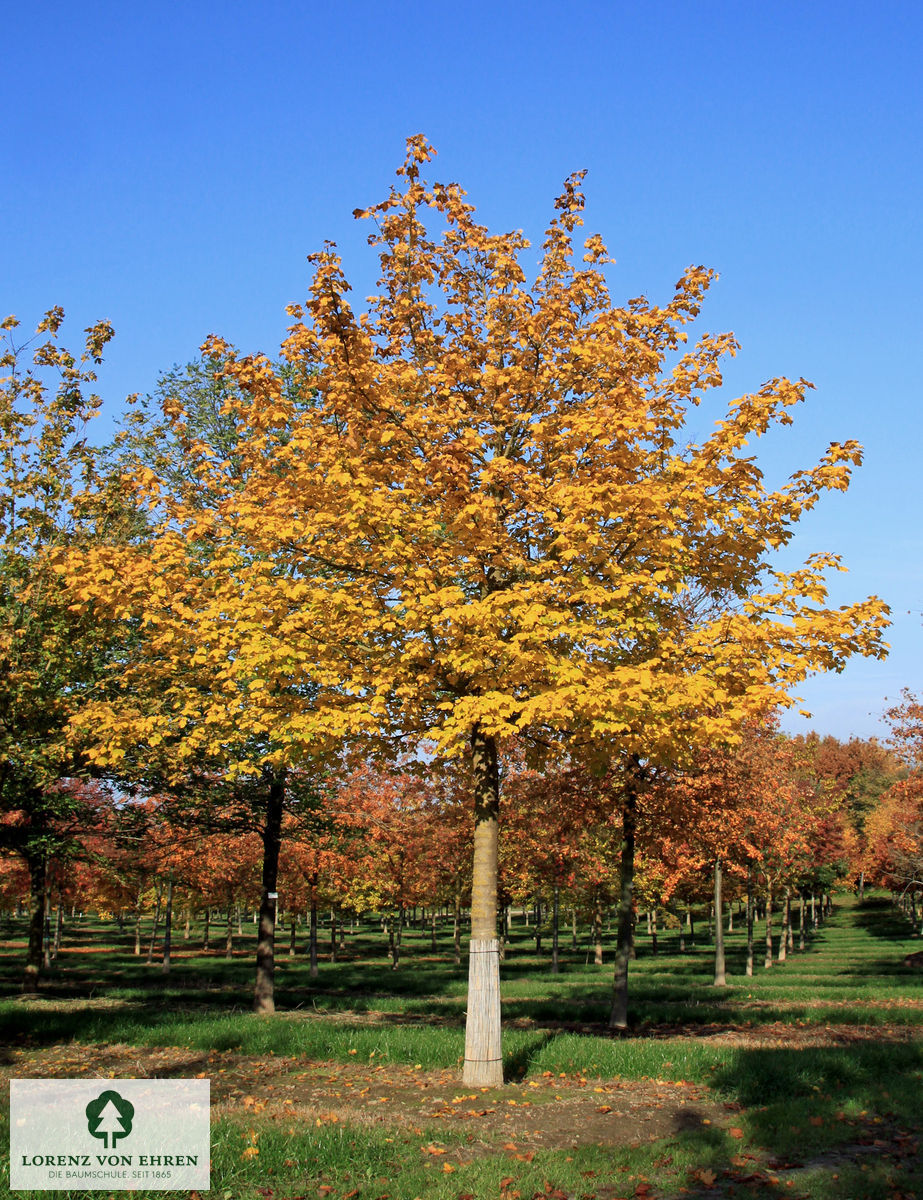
[720, 972]
[312, 948]
[432, 930]
[654, 931]
[749, 970]
[58, 929]
[229, 933]
[731, 917]
[157, 908]
[206, 928]
[167, 928]
[292, 933]
[456, 929]
[767, 961]
[187, 924]
[861, 886]
[801, 921]
[813, 912]
[597, 930]
[789, 923]
[394, 941]
[783, 933]
[538, 925]
[38, 882]
[483, 1044]
[555, 914]
[264, 988]
[573, 928]
[618, 1016]
[690, 925]
[138, 927]
[334, 924]
[46, 927]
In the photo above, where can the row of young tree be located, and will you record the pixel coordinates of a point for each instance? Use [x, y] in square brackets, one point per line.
[774, 822]
[471, 526]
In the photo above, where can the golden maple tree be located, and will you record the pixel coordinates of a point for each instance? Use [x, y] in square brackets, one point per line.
[491, 522]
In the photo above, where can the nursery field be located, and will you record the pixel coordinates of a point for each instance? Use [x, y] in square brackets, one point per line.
[804, 1081]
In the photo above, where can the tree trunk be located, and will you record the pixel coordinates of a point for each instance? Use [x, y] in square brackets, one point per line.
[187, 924]
[398, 938]
[801, 922]
[334, 924]
[483, 1041]
[58, 929]
[167, 928]
[749, 969]
[456, 929]
[720, 972]
[597, 930]
[618, 1016]
[312, 932]
[157, 908]
[229, 932]
[38, 882]
[46, 925]
[538, 925]
[138, 926]
[206, 928]
[555, 916]
[654, 931]
[767, 961]
[690, 925]
[861, 886]
[264, 988]
[432, 931]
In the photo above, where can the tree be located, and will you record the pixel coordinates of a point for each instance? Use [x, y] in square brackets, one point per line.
[194, 709]
[499, 476]
[51, 498]
[488, 524]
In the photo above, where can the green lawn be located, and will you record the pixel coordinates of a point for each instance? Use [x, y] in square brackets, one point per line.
[815, 1066]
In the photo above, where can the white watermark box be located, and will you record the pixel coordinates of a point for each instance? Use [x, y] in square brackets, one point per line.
[112, 1134]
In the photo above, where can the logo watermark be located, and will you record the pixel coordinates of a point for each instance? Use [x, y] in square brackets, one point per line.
[116, 1134]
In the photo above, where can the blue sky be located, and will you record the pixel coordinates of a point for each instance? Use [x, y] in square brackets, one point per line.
[170, 166]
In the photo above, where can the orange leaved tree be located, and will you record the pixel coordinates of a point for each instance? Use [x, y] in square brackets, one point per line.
[489, 523]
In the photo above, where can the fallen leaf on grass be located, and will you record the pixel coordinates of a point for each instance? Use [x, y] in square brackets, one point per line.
[704, 1175]
[604, 1108]
[736, 1132]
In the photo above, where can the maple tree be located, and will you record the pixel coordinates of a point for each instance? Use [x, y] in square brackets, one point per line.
[497, 474]
[478, 518]
[214, 702]
[52, 496]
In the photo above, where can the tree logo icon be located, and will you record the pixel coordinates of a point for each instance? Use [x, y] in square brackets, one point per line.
[109, 1117]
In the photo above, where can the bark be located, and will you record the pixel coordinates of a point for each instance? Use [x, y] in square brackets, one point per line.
[138, 928]
[333, 935]
[720, 972]
[46, 925]
[264, 988]
[229, 933]
[767, 961]
[749, 969]
[312, 934]
[206, 928]
[483, 1045]
[654, 931]
[432, 931]
[157, 908]
[861, 886]
[58, 929]
[555, 918]
[597, 931]
[801, 922]
[456, 930]
[167, 928]
[38, 882]
[618, 1016]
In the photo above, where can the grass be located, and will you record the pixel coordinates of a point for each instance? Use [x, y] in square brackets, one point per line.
[802, 1114]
